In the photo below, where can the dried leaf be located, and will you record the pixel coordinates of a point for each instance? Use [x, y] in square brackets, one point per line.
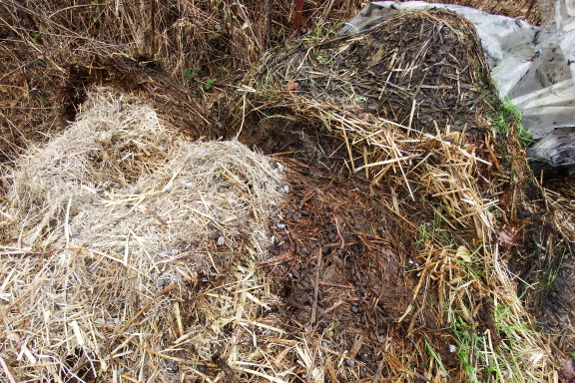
[569, 370]
[505, 238]
[463, 253]
[292, 85]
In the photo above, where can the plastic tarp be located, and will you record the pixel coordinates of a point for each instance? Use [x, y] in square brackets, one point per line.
[532, 67]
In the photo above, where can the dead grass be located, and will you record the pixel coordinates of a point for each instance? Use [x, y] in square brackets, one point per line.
[52, 54]
[118, 231]
[527, 10]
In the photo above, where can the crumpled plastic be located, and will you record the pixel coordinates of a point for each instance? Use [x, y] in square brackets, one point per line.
[532, 67]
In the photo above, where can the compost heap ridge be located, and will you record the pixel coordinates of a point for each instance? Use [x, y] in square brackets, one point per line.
[424, 70]
[345, 105]
[115, 229]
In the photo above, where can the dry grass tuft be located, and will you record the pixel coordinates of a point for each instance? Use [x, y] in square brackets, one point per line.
[52, 52]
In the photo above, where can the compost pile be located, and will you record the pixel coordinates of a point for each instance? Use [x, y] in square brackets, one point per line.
[378, 237]
[429, 204]
[422, 70]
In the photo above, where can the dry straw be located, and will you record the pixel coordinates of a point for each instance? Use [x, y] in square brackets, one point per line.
[51, 52]
[117, 233]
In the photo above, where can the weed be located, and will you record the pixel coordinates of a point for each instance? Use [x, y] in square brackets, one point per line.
[35, 36]
[280, 116]
[191, 73]
[301, 155]
[332, 327]
[432, 232]
[553, 277]
[493, 353]
[327, 29]
[525, 135]
[437, 358]
[94, 7]
[506, 113]
[210, 83]
[469, 345]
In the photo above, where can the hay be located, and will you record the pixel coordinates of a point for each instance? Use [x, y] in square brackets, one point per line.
[113, 239]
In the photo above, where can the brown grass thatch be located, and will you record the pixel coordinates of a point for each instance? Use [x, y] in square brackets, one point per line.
[382, 251]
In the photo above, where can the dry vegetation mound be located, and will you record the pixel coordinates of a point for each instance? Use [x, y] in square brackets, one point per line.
[173, 53]
[422, 70]
[414, 126]
[114, 227]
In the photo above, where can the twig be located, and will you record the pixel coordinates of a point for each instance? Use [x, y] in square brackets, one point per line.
[67, 221]
[329, 284]
[73, 7]
[316, 287]
[277, 260]
[228, 371]
[338, 231]
[168, 288]
[6, 370]
[379, 370]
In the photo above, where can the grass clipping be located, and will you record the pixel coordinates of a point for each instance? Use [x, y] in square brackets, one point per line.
[407, 104]
[112, 235]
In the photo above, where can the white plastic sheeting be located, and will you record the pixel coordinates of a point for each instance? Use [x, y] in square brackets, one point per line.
[533, 67]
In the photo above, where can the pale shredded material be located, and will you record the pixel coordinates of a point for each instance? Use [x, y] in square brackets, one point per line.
[109, 231]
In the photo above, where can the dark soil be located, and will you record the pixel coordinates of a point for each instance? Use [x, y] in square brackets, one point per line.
[343, 259]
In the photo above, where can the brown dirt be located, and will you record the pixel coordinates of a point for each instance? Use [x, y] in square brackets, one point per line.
[548, 268]
[339, 268]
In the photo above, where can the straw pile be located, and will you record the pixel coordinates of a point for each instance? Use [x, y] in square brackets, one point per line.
[51, 52]
[127, 252]
[415, 124]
